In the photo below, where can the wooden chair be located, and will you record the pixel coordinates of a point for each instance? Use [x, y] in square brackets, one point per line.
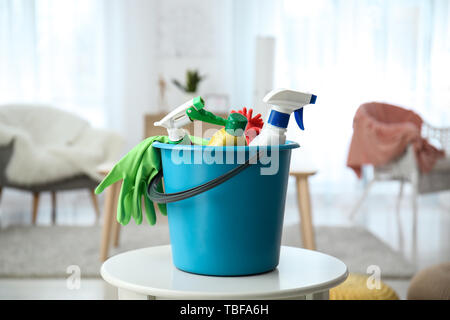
[78, 182]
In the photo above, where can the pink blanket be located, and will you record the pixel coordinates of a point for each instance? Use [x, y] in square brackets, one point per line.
[381, 132]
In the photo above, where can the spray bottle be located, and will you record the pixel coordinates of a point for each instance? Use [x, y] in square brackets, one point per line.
[182, 116]
[283, 102]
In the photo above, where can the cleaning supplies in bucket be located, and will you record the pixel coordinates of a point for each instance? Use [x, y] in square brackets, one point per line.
[232, 134]
[209, 236]
[283, 102]
[233, 228]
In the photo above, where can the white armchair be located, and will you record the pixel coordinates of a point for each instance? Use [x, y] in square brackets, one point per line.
[45, 149]
[405, 169]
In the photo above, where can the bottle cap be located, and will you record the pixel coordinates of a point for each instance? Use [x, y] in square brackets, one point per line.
[235, 124]
[198, 102]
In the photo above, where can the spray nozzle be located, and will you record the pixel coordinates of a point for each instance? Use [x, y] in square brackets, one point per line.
[284, 103]
[177, 119]
[298, 114]
[205, 116]
[299, 118]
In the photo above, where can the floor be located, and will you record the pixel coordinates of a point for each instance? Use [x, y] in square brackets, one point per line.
[377, 215]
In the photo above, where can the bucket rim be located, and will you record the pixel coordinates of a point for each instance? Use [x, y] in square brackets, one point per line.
[287, 146]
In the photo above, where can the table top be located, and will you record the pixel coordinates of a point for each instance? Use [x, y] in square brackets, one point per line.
[150, 271]
[296, 173]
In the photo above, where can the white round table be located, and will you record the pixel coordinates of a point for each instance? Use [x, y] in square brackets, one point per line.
[150, 274]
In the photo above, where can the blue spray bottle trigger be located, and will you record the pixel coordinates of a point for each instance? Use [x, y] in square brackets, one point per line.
[299, 118]
[299, 113]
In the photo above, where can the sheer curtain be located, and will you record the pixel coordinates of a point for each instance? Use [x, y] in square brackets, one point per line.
[349, 52]
[102, 58]
[90, 57]
[52, 52]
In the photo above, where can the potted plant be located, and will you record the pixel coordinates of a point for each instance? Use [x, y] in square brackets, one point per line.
[193, 79]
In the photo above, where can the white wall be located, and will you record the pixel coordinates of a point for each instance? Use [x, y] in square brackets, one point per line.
[149, 39]
[165, 38]
[194, 35]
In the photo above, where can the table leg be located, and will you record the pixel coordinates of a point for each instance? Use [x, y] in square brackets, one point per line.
[125, 294]
[304, 203]
[116, 224]
[324, 295]
[116, 233]
[108, 216]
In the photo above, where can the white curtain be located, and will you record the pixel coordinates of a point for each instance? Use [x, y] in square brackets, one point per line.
[52, 52]
[91, 57]
[349, 52]
[102, 59]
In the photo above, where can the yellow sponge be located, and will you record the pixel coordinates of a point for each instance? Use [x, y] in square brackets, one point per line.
[355, 288]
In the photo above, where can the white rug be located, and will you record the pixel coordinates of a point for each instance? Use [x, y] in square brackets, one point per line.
[46, 252]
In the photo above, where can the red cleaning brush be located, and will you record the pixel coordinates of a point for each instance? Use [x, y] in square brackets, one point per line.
[254, 125]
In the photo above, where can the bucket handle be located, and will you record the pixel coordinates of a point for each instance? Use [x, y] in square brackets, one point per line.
[159, 197]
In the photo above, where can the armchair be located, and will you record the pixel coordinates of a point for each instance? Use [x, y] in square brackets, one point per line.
[405, 169]
[44, 149]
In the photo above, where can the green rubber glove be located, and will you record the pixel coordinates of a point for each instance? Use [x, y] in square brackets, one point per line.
[161, 206]
[137, 169]
[127, 169]
[150, 166]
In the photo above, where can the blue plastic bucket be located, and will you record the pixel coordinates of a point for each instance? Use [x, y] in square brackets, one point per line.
[235, 228]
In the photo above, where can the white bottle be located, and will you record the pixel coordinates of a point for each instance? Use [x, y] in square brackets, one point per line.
[283, 102]
[177, 119]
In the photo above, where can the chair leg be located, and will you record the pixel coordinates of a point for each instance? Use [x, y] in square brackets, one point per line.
[1, 189]
[35, 207]
[95, 204]
[414, 222]
[399, 222]
[53, 197]
[361, 200]
[116, 224]
[116, 233]
[108, 216]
